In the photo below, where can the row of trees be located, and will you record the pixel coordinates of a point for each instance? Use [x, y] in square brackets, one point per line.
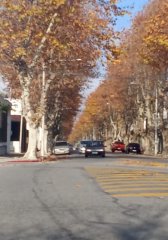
[131, 103]
[48, 51]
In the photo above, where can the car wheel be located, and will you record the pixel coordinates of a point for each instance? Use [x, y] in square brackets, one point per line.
[113, 151]
[86, 156]
[103, 155]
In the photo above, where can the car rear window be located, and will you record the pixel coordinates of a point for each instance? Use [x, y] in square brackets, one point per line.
[85, 143]
[117, 142]
[134, 144]
[96, 144]
[63, 143]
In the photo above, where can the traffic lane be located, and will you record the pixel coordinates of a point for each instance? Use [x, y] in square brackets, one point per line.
[52, 201]
[118, 159]
[49, 202]
[117, 156]
[60, 200]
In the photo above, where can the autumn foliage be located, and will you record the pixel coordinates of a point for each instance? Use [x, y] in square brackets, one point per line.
[40, 43]
[126, 100]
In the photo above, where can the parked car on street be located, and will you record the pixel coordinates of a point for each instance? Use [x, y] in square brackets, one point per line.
[118, 146]
[81, 147]
[61, 147]
[133, 148]
[95, 148]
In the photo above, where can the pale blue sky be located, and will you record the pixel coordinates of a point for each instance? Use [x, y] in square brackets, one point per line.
[134, 6]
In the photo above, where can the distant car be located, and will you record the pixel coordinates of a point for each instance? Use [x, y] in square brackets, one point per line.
[75, 147]
[71, 147]
[118, 146]
[95, 148]
[81, 147]
[133, 148]
[61, 147]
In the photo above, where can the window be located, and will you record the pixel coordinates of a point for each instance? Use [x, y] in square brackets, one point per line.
[3, 126]
[15, 130]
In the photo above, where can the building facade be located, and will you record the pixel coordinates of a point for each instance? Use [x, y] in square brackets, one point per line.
[19, 133]
[5, 126]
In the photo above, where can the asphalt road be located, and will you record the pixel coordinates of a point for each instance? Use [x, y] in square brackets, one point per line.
[84, 199]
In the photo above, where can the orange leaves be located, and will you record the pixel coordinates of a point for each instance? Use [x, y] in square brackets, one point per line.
[19, 52]
[153, 32]
[81, 23]
[142, 55]
[107, 99]
[32, 32]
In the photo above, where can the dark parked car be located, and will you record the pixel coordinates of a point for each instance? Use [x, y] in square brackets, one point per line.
[118, 146]
[133, 148]
[95, 148]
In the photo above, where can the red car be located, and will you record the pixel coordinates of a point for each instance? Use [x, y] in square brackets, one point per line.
[118, 146]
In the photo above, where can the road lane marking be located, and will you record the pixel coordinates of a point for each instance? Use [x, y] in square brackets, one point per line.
[143, 163]
[111, 189]
[130, 183]
[119, 184]
[140, 195]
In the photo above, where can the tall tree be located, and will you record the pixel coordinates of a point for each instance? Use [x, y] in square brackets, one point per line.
[37, 34]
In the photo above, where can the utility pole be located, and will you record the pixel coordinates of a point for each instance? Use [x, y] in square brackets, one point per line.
[21, 132]
[156, 120]
[43, 117]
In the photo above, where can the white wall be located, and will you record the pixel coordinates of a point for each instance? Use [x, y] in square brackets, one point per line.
[15, 146]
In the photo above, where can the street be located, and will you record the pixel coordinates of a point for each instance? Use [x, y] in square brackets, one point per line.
[120, 197]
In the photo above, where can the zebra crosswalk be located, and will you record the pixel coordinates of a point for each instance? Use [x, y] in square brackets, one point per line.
[131, 183]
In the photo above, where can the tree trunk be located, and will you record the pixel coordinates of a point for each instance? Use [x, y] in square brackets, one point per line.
[31, 153]
[114, 127]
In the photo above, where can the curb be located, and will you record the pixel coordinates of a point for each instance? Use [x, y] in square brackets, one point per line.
[23, 161]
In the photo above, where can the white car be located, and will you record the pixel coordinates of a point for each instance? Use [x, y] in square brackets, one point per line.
[61, 147]
[82, 146]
